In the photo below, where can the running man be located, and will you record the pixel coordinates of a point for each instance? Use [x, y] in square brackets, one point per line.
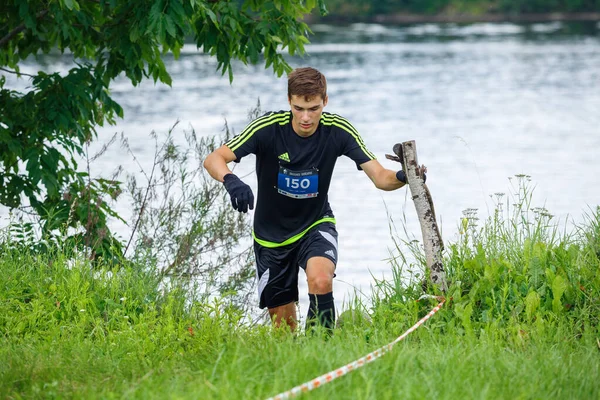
[294, 226]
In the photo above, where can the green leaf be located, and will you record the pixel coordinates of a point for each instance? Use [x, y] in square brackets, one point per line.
[303, 39]
[171, 28]
[323, 8]
[178, 10]
[34, 170]
[212, 17]
[161, 29]
[70, 4]
[532, 303]
[134, 34]
[165, 77]
[464, 312]
[559, 285]
[233, 24]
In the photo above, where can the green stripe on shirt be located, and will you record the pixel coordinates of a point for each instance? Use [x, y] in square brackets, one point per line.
[342, 123]
[254, 126]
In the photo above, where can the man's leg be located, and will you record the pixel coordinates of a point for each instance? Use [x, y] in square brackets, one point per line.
[277, 284]
[319, 273]
[284, 314]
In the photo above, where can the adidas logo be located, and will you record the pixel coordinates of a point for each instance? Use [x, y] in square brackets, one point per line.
[330, 253]
[284, 157]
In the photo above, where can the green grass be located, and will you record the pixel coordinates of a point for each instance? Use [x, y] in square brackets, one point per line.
[258, 365]
[521, 322]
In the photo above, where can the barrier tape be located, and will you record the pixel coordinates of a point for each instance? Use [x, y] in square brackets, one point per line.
[328, 377]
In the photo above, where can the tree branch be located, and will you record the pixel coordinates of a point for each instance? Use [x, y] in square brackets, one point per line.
[20, 28]
[432, 240]
[16, 73]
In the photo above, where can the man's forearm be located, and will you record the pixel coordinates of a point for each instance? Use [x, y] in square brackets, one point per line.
[216, 166]
[392, 182]
[387, 181]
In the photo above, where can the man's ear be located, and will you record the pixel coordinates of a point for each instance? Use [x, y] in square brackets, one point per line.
[325, 100]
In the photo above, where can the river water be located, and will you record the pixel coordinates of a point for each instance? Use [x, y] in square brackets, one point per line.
[483, 102]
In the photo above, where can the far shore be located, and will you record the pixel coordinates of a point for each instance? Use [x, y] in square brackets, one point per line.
[402, 18]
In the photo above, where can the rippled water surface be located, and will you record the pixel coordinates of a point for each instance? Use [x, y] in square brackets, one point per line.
[483, 102]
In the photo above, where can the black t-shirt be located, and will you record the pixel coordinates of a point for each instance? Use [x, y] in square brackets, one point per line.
[294, 172]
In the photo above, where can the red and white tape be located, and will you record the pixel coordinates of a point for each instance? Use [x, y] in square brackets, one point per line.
[328, 377]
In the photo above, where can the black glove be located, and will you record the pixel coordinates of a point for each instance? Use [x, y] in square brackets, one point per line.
[240, 193]
[401, 176]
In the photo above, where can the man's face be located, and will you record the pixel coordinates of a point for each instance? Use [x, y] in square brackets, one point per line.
[306, 114]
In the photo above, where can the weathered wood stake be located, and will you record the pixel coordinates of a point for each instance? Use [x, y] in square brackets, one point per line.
[406, 153]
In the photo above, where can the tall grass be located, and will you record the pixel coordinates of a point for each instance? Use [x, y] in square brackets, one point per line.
[516, 277]
[521, 322]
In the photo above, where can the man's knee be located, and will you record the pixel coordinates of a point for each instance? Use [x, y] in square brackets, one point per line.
[319, 273]
[320, 283]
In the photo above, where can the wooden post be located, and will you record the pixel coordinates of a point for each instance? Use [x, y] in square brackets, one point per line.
[406, 153]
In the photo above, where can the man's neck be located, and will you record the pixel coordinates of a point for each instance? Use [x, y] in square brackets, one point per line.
[304, 135]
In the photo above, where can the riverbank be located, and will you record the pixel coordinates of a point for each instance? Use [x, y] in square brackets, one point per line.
[521, 321]
[66, 332]
[460, 18]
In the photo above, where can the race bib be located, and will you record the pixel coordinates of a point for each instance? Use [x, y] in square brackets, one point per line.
[298, 184]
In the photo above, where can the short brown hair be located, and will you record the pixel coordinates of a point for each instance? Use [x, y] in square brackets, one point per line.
[307, 82]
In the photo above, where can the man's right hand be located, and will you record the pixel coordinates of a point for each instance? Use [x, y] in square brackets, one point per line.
[240, 193]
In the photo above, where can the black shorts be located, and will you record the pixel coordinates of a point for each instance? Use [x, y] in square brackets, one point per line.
[277, 268]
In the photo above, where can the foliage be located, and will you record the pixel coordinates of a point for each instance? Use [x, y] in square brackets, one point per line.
[362, 8]
[70, 331]
[516, 277]
[522, 322]
[44, 130]
[185, 226]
